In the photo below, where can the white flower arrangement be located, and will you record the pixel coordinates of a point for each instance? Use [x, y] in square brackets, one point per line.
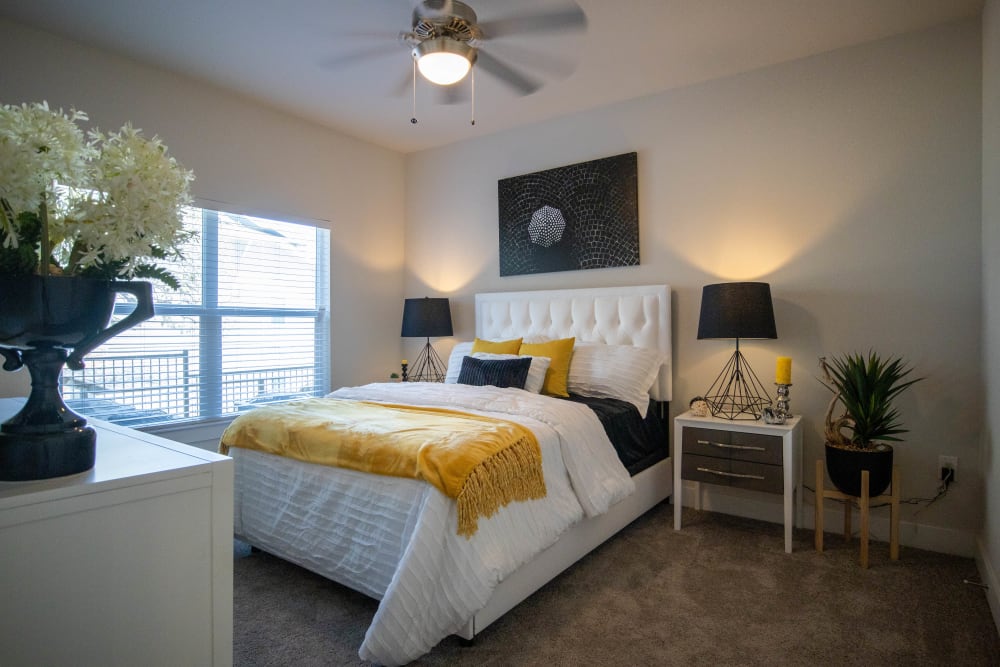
[96, 205]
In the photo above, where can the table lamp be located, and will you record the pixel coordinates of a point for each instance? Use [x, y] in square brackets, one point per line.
[423, 318]
[737, 310]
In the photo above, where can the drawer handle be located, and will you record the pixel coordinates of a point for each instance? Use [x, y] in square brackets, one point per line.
[731, 474]
[725, 446]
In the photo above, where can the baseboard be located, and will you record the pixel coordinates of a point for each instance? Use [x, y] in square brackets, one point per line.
[989, 577]
[763, 507]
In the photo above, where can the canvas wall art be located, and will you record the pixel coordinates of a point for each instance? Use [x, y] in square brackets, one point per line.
[581, 216]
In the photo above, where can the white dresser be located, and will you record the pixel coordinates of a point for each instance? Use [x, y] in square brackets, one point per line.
[130, 563]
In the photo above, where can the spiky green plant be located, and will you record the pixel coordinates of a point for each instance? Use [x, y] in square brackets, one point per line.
[867, 387]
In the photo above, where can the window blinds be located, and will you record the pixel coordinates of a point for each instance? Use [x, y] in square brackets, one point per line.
[249, 325]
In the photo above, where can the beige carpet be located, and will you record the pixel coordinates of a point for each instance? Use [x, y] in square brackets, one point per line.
[719, 592]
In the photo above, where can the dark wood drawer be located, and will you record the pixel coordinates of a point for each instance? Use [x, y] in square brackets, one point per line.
[735, 445]
[730, 472]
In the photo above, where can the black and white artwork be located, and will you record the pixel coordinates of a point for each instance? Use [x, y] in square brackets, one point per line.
[582, 216]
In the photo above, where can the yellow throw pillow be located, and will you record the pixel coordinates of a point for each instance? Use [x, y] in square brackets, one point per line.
[560, 352]
[497, 346]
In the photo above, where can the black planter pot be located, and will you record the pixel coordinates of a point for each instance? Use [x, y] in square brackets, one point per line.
[46, 323]
[844, 467]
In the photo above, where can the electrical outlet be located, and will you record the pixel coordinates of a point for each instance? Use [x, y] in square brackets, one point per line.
[948, 462]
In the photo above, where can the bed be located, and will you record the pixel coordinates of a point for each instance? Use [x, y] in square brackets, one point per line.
[394, 538]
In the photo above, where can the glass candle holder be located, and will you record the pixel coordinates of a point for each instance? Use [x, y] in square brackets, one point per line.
[780, 413]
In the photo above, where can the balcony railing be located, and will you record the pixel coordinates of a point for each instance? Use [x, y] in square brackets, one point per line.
[146, 389]
[242, 390]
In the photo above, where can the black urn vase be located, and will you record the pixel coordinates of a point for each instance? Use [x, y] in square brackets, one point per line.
[46, 323]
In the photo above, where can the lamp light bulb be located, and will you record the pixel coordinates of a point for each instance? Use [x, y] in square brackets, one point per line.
[443, 68]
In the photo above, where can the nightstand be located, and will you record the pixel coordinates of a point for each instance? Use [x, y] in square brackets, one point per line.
[742, 454]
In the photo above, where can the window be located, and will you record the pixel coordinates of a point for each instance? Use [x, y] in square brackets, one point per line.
[249, 325]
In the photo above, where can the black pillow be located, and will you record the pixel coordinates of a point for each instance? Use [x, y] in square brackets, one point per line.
[497, 372]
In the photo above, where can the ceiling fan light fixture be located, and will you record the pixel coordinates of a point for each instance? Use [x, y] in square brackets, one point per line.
[444, 61]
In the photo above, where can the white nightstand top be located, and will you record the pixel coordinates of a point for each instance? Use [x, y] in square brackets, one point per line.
[748, 425]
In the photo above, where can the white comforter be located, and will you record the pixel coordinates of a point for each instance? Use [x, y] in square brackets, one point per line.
[432, 580]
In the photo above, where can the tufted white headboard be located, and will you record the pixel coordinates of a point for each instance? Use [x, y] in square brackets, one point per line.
[637, 315]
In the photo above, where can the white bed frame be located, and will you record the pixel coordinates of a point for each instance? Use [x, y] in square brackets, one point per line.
[639, 316]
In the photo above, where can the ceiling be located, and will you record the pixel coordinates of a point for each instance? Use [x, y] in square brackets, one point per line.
[296, 55]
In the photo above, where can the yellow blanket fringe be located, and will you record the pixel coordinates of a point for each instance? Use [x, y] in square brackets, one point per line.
[481, 462]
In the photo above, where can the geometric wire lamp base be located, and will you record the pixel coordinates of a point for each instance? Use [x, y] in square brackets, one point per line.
[428, 366]
[737, 393]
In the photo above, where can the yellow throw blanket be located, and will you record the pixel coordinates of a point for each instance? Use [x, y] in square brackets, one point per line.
[480, 462]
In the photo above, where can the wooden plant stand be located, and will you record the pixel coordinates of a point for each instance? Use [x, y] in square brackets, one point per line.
[864, 504]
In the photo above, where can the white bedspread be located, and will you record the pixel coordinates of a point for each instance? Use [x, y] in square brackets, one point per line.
[429, 579]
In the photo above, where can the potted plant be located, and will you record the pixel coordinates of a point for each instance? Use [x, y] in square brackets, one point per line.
[81, 216]
[866, 386]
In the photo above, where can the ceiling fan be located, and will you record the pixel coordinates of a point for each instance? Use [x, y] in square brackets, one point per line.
[446, 39]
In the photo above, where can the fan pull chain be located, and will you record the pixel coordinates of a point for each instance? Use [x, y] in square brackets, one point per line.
[413, 118]
[473, 74]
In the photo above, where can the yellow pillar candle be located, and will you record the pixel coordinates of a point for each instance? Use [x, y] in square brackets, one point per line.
[783, 373]
[404, 362]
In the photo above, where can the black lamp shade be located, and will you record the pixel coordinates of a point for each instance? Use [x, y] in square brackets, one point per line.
[426, 317]
[736, 310]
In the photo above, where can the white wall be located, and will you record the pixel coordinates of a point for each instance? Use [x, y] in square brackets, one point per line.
[253, 158]
[850, 181]
[989, 545]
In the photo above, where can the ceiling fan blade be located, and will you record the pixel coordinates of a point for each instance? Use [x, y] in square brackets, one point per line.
[521, 83]
[454, 94]
[404, 86]
[547, 65]
[387, 36]
[367, 53]
[571, 18]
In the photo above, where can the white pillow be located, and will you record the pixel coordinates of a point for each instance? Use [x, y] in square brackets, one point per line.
[536, 373]
[459, 352]
[614, 371]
